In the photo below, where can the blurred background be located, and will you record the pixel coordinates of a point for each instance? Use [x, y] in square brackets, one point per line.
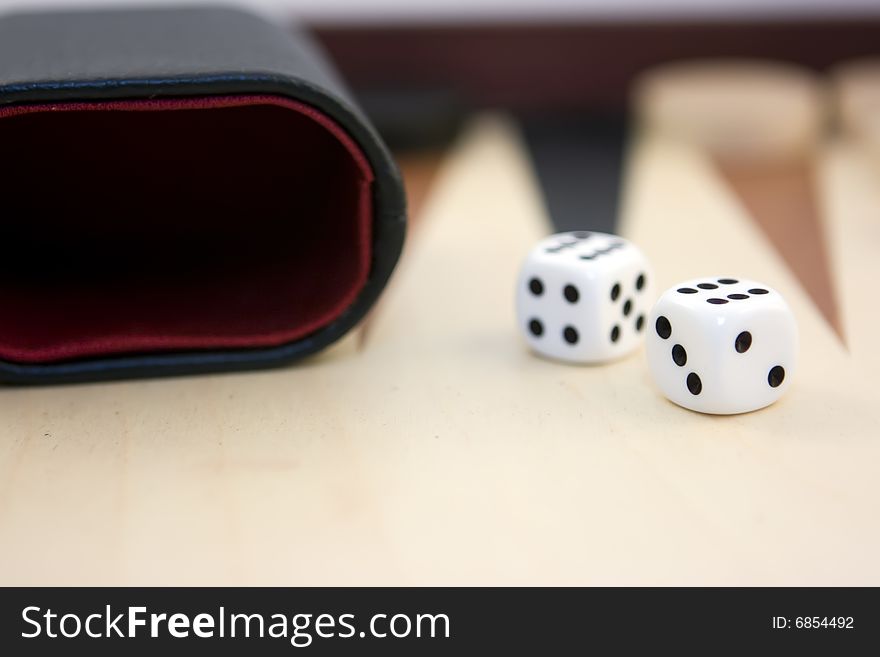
[565, 69]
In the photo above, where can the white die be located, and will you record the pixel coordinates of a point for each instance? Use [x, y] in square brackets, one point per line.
[583, 297]
[722, 345]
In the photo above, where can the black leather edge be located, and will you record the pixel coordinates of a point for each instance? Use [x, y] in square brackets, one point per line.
[218, 71]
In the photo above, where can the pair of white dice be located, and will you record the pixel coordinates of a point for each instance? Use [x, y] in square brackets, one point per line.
[715, 345]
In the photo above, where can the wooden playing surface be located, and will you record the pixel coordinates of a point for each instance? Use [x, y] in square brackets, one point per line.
[432, 448]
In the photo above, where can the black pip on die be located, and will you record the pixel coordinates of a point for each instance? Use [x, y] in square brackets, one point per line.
[583, 297]
[722, 345]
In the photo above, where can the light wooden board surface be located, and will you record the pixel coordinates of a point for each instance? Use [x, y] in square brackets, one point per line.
[441, 452]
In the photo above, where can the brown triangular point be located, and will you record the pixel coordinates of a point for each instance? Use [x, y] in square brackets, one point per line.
[781, 199]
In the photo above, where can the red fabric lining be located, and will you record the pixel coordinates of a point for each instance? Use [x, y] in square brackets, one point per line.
[176, 224]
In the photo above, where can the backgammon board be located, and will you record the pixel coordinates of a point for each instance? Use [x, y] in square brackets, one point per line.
[430, 446]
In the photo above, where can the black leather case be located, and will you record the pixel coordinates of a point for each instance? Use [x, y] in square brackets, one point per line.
[182, 191]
